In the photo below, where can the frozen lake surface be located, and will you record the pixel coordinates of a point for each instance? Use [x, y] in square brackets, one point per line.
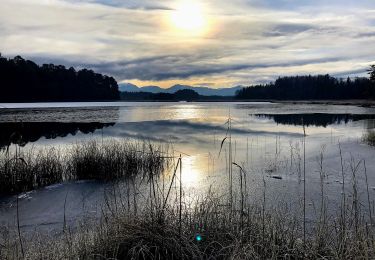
[267, 141]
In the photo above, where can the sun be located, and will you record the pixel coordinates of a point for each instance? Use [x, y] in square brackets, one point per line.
[189, 17]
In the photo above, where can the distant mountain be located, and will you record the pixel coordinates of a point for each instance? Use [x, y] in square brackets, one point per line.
[128, 87]
[153, 89]
[204, 91]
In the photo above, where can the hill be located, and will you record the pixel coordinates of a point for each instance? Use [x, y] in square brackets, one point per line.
[203, 91]
[179, 95]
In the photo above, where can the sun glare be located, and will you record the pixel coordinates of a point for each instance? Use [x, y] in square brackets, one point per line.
[189, 17]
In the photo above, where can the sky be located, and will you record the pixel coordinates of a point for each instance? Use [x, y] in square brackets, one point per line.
[214, 43]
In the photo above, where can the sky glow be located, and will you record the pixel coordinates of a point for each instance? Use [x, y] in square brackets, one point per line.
[211, 43]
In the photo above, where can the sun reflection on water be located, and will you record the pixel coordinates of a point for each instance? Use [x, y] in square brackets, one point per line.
[187, 112]
[191, 172]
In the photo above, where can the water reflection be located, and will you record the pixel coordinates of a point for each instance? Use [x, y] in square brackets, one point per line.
[188, 133]
[258, 143]
[191, 171]
[23, 133]
[22, 126]
[315, 119]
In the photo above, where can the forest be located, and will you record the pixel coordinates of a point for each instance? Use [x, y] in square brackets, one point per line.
[180, 95]
[24, 81]
[309, 87]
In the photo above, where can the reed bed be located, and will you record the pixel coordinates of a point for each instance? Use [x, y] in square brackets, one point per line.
[164, 225]
[24, 170]
[224, 234]
[161, 223]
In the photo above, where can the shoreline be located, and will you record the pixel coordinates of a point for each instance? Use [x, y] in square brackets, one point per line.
[307, 101]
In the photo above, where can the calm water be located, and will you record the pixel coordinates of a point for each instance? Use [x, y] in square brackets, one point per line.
[267, 142]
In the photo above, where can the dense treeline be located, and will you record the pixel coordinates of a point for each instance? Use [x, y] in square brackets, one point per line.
[24, 81]
[371, 72]
[180, 95]
[311, 87]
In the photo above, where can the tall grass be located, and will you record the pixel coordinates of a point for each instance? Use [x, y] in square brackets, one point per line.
[24, 170]
[243, 230]
[164, 225]
[28, 170]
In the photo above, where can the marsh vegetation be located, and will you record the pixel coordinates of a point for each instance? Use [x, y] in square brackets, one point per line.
[164, 222]
[28, 169]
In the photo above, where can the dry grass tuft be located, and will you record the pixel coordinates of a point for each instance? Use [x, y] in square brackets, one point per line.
[25, 170]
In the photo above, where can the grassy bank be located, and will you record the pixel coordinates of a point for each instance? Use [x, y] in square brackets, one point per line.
[207, 230]
[24, 170]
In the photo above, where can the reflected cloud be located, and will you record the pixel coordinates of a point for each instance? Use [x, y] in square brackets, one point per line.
[181, 131]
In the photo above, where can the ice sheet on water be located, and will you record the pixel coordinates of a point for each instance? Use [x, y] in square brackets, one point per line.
[62, 104]
[54, 186]
[25, 195]
[197, 129]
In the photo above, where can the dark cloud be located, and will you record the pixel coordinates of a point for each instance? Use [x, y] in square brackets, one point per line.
[347, 73]
[365, 35]
[177, 67]
[160, 68]
[299, 4]
[287, 29]
[129, 4]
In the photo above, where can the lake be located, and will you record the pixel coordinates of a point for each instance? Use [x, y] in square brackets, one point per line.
[266, 141]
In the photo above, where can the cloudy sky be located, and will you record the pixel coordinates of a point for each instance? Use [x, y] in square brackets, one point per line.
[217, 43]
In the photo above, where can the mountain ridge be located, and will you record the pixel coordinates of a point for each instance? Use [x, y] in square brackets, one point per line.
[204, 91]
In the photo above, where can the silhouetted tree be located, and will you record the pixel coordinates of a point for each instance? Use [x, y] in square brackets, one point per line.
[183, 94]
[142, 96]
[310, 87]
[22, 80]
[186, 94]
[371, 71]
[136, 96]
[163, 96]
